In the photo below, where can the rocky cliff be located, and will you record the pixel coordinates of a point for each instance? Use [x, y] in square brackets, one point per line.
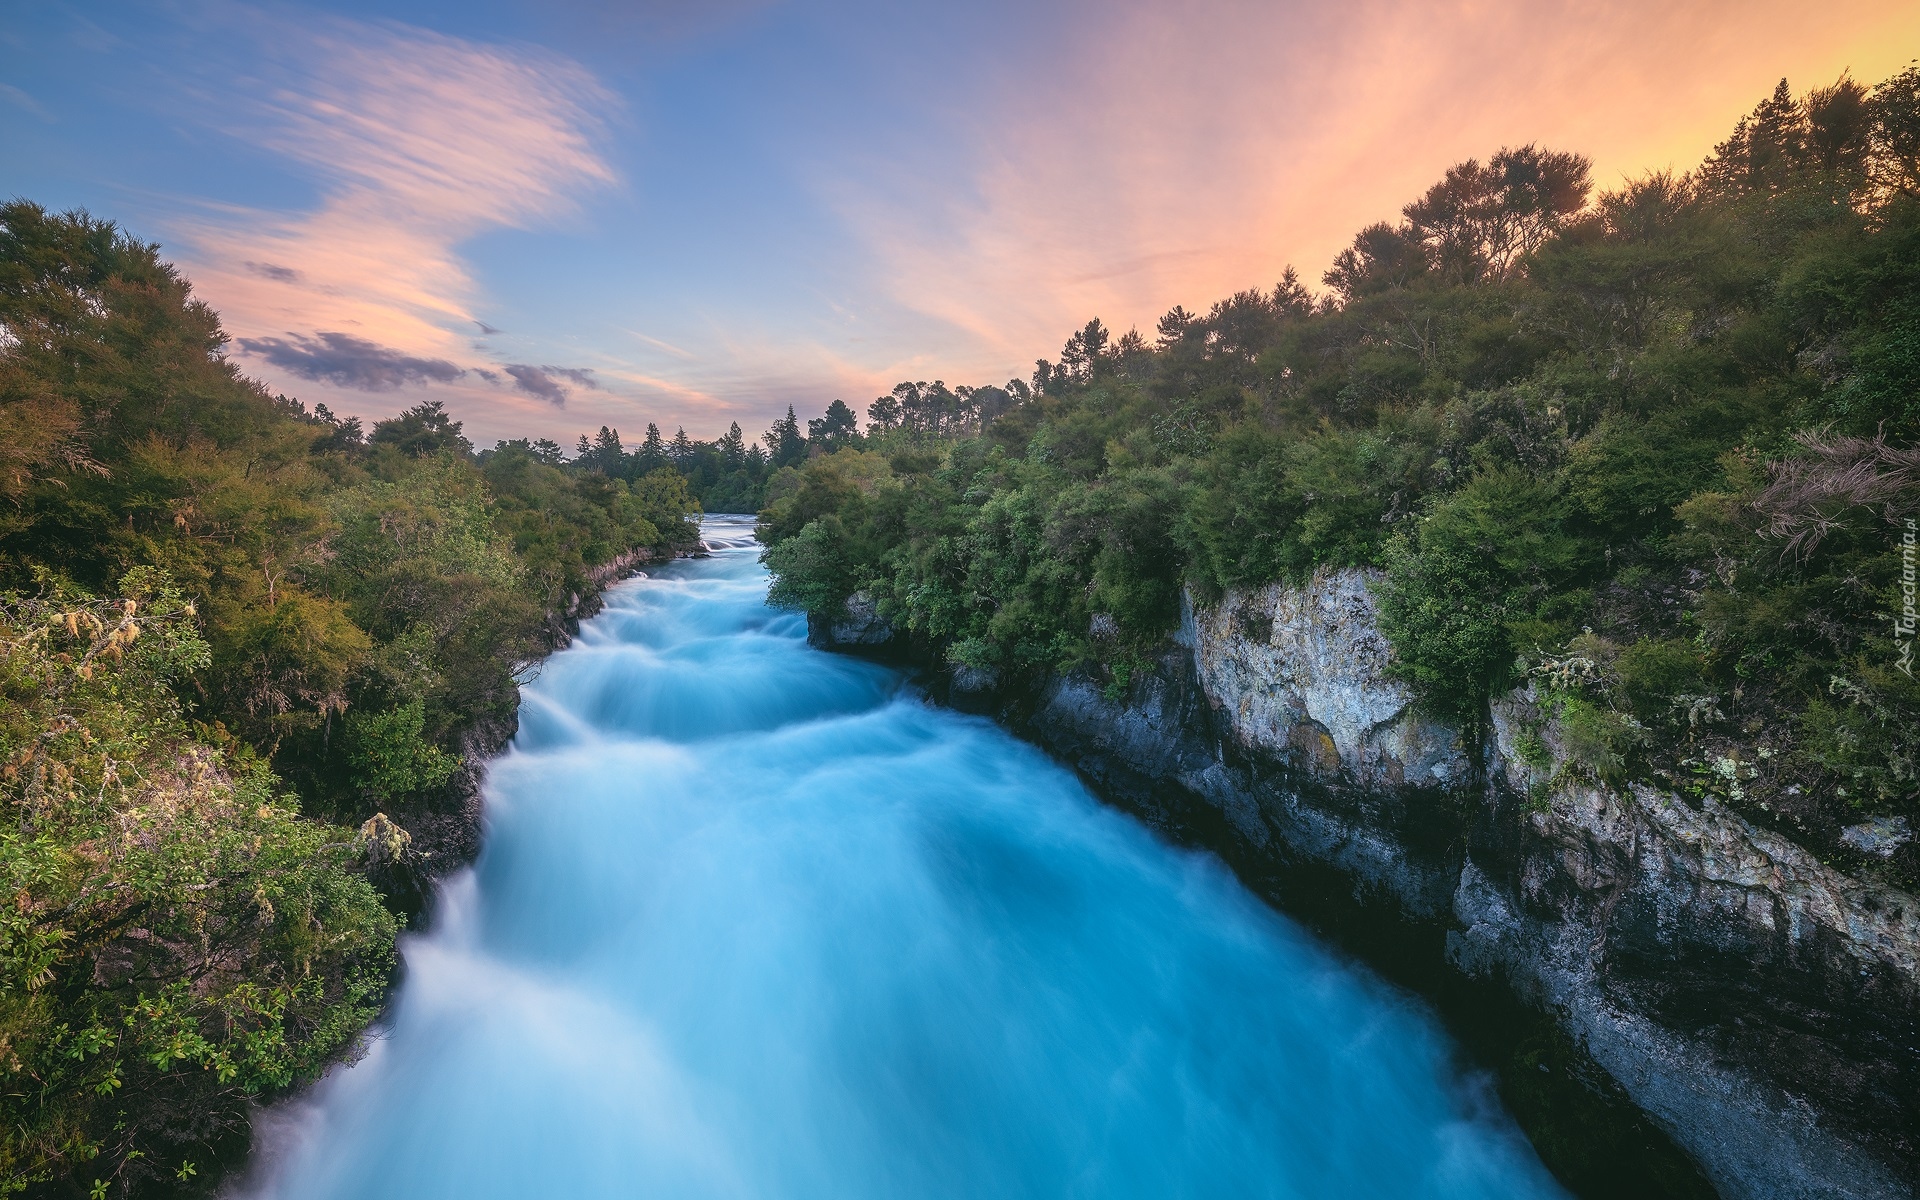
[1756, 1004]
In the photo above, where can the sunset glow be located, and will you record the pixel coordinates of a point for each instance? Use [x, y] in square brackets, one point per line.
[553, 222]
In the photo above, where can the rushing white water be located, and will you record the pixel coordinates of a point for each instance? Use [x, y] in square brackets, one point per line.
[754, 921]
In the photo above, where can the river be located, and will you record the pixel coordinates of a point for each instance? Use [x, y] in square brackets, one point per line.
[757, 921]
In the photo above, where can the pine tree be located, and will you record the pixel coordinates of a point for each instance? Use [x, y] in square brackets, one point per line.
[652, 454]
[733, 447]
[1766, 147]
[883, 414]
[785, 444]
[608, 454]
[836, 428]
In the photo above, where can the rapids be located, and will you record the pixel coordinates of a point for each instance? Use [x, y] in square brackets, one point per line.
[757, 921]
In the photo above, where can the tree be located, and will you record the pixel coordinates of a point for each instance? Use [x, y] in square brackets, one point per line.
[603, 454]
[1380, 258]
[913, 406]
[343, 436]
[680, 453]
[939, 407]
[1084, 355]
[1174, 326]
[1242, 325]
[1131, 353]
[1765, 148]
[1481, 222]
[652, 454]
[838, 427]
[991, 403]
[51, 267]
[425, 429]
[785, 444]
[733, 447]
[1049, 380]
[1893, 161]
[883, 414]
[1839, 128]
[1291, 297]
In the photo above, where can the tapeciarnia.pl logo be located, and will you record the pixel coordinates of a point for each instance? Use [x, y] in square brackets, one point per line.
[1903, 625]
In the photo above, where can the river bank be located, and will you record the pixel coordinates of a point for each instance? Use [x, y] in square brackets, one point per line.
[1649, 1032]
[755, 920]
[444, 829]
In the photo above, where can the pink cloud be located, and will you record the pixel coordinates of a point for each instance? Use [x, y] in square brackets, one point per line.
[418, 142]
[1182, 152]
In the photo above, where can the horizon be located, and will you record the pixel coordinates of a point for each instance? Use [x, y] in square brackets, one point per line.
[553, 219]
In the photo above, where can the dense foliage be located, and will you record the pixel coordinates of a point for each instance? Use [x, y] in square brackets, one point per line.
[727, 475]
[213, 601]
[178, 938]
[1651, 451]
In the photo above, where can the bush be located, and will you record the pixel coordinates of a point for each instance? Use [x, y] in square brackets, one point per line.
[177, 937]
[811, 570]
[1654, 675]
[1444, 609]
[390, 759]
[1598, 741]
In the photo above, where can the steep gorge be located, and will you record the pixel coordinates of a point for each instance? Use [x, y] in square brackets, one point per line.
[1756, 1004]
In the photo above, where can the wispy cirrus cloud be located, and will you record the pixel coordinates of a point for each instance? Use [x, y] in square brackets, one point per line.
[416, 142]
[21, 99]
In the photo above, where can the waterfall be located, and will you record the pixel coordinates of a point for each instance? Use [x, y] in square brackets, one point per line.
[757, 921]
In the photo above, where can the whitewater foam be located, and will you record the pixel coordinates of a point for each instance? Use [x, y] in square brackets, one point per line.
[757, 921]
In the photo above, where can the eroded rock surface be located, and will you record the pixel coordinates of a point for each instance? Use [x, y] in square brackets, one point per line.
[859, 626]
[1758, 1003]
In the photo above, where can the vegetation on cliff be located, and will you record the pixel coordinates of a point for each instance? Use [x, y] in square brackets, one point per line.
[1652, 450]
[232, 631]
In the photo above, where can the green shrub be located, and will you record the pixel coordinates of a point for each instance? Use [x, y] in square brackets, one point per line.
[1654, 674]
[811, 570]
[1598, 741]
[390, 758]
[1444, 609]
[177, 937]
[1859, 732]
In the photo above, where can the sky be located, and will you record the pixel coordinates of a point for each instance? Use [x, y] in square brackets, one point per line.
[553, 215]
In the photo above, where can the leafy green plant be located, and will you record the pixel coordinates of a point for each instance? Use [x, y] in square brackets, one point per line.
[390, 759]
[179, 937]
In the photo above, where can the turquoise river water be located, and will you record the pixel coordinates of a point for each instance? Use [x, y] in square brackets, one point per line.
[757, 921]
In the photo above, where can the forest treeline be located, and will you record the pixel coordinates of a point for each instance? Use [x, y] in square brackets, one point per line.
[1652, 449]
[243, 648]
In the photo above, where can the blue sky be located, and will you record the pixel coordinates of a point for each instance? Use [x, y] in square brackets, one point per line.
[553, 216]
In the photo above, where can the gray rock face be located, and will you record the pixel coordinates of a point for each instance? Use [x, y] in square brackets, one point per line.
[1756, 1002]
[858, 626]
[1879, 837]
[1302, 675]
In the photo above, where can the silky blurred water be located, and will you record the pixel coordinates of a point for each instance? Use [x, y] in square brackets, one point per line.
[755, 921]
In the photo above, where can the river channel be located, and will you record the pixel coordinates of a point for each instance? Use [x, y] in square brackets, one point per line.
[759, 921]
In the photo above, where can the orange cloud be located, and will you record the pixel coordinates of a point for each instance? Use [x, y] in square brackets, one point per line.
[418, 142]
[1171, 154]
[1182, 152]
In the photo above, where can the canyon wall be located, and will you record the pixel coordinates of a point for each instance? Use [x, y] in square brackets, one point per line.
[1757, 1004]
